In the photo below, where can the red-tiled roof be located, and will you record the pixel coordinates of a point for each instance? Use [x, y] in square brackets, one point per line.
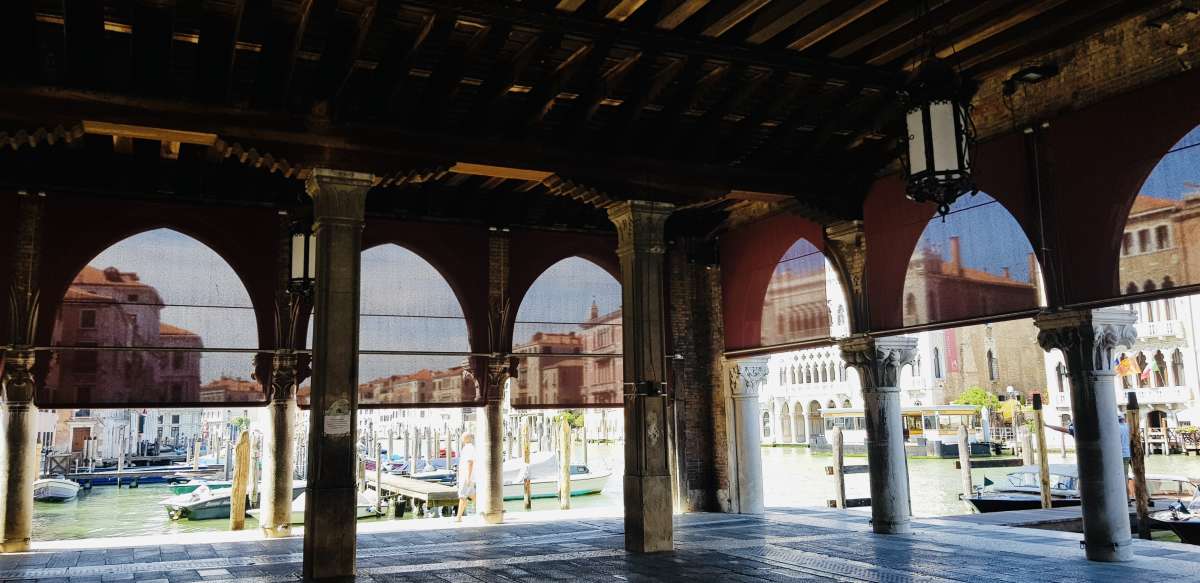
[169, 330]
[1144, 203]
[110, 276]
[81, 295]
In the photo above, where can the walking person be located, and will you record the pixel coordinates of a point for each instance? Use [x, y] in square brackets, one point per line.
[466, 474]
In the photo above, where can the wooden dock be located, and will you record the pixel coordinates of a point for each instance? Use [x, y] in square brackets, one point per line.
[1068, 519]
[415, 494]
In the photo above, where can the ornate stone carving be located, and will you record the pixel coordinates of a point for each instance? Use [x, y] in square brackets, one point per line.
[1087, 337]
[746, 376]
[878, 360]
[848, 243]
[338, 195]
[640, 226]
[18, 376]
[283, 375]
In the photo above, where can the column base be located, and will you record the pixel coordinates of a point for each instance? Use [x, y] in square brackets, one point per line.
[890, 527]
[648, 517]
[492, 517]
[16, 546]
[277, 532]
[1109, 553]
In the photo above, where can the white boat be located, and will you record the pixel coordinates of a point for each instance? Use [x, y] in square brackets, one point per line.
[543, 471]
[204, 503]
[365, 508]
[54, 490]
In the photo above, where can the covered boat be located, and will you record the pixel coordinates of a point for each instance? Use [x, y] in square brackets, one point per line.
[55, 489]
[1183, 520]
[191, 485]
[365, 507]
[204, 503]
[1023, 491]
[543, 471]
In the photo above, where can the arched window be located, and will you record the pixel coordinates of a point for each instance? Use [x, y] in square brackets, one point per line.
[841, 315]
[937, 363]
[797, 288]
[847, 404]
[766, 424]
[783, 376]
[842, 372]
[1167, 282]
[794, 381]
[1060, 372]
[1143, 380]
[1132, 288]
[832, 404]
[565, 310]
[824, 374]
[808, 378]
[1177, 368]
[155, 290]
[1169, 309]
[993, 367]
[910, 309]
[1149, 285]
[1160, 369]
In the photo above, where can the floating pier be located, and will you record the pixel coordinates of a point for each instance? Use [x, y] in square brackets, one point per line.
[418, 495]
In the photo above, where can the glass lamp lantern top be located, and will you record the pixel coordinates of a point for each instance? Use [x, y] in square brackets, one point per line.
[303, 257]
[939, 136]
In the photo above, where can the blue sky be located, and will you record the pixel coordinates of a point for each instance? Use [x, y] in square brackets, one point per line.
[1171, 175]
[989, 237]
[406, 303]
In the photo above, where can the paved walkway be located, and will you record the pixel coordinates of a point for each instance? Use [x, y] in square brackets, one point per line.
[784, 545]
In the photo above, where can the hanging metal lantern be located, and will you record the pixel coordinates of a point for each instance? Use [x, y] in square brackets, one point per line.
[939, 136]
[304, 257]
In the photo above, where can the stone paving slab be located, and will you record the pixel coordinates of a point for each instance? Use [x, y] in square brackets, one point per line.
[795, 545]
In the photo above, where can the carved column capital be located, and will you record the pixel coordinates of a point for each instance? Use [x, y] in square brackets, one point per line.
[284, 376]
[746, 376]
[18, 377]
[878, 360]
[338, 195]
[1087, 337]
[640, 226]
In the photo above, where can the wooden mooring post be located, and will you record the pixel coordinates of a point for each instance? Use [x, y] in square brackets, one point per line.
[241, 477]
[1039, 427]
[964, 462]
[528, 487]
[839, 470]
[1137, 451]
[564, 475]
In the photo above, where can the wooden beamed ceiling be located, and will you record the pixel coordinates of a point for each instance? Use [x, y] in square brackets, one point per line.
[653, 98]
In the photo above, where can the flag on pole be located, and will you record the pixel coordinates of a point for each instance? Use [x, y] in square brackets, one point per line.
[1151, 366]
[1125, 367]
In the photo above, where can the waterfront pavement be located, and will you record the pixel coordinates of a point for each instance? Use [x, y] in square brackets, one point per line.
[783, 545]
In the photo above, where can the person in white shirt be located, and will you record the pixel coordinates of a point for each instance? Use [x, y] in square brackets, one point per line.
[466, 474]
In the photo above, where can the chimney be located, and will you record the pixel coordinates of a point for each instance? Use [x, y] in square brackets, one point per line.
[1007, 275]
[955, 256]
[1033, 269]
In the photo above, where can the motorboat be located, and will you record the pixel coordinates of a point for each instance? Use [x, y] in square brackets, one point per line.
[1183, 520]
[543, 471]
[204, 503]
[365, 507]
[1023, 490]
[191, 485]
[56, 489]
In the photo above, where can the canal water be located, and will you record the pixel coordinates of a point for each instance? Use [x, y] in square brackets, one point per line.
[793, 476]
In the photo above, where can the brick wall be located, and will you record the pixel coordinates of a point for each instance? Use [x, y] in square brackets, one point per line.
[694, 312]
[1115, 60]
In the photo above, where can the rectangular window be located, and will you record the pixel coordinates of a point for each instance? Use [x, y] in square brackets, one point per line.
[175, 419]
[1144, 240]
[1127, 244]
[86, 361]
[87, 319]
[1160, 237]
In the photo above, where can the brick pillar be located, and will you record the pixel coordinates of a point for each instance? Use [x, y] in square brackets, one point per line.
[640, 249]
[744, 380]
[20, 464]
[1087, 339]
[878, 362]
[339, 199]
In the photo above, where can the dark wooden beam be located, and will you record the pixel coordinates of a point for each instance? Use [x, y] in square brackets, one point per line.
[220, 23]
[705, 136]
[398, 59]
[730, 17]
[1031, 37]
[808, 117]
[443, 86]
[83, 37]
[676, 12]
[784, 95]
[624, 9]
[488, 114]
[908, 44]
[285, 26]
[654, 81]
[842, 20]
[347, 30]
[542, 97]
[994, 27]
[875, 33]
[599, 86]
[780, 17]
[569, 5]
[153, 28]
[18, 57]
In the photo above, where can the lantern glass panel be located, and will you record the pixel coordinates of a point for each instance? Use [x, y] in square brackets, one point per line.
[945, 140]
[298, 240]
[915, 122]
[311, 250]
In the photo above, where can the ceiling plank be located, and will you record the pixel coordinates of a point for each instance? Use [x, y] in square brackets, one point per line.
[286, 23]
[655, 82]
[780, 17]
[707, 132]
[347, 32]
[541, 99]
[1029, 38]
[877, 32]
[994, 27]
[443, 86]
[398, 59]
[83, 36]
[835, 24]
[569, 5]
[734, 17]
[785, 94]
[694, 82]
[488, 114]
[910, 43]
[676, 12]
[220, 22]
[600, 85]
[624, 9]
[153, 28]
[808, 115]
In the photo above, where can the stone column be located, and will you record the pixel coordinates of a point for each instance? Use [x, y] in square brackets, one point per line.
[20, 452]
[279, 454]
[490, 468]
[744, 379]
[339, 199]
[878, 362]
[1087, 339]
[640, 248]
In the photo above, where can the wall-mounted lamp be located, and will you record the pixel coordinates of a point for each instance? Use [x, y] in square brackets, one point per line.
[1029, 76]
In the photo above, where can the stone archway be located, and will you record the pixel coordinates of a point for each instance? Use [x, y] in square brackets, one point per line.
[799, 428]
[785, 424]
[816, 427]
